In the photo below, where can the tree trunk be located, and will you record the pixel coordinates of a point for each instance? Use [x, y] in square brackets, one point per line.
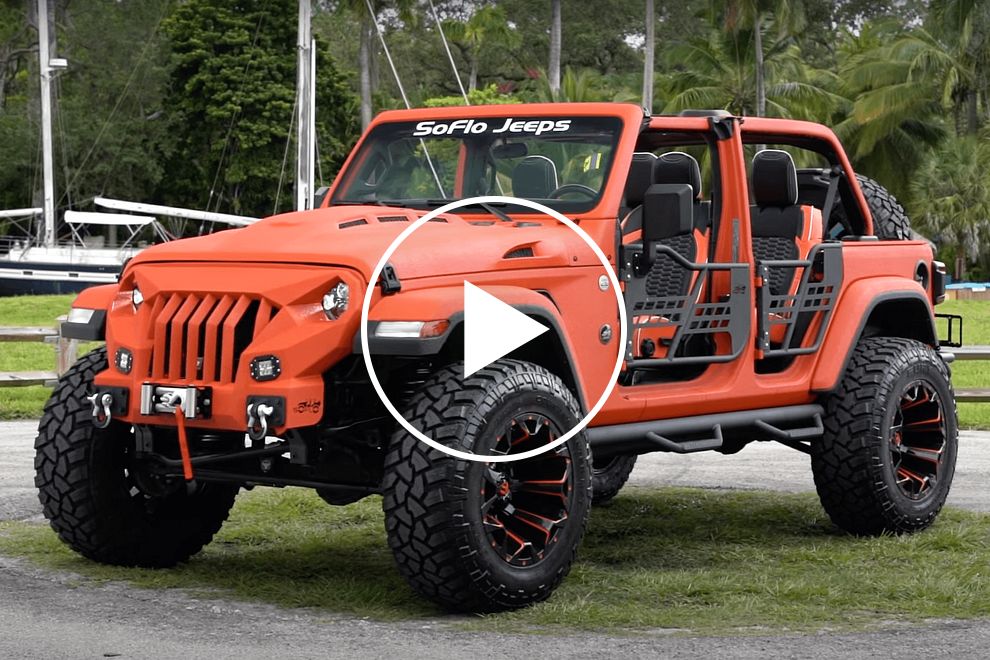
[648, 54]
[972, 114]
[364, 64]
[473, 76]
[761, 89]
[553, 72]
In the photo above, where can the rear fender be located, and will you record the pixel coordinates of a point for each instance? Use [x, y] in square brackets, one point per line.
[901, 309]
[551, 349]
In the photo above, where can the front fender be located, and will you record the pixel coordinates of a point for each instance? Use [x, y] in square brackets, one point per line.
[98, 298]
[447, 303]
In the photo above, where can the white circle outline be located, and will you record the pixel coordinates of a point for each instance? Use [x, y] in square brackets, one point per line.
[366, 305]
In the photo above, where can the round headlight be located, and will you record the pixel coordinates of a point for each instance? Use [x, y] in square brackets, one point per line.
[137, 297]
[335, 301]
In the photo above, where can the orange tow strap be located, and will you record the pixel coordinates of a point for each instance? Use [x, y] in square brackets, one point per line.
[180, 420]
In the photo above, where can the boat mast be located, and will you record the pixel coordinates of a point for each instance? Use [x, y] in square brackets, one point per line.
[306, 109]
[46, 124]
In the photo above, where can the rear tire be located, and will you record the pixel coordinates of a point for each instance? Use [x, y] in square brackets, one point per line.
[484, 537]
[609, 475]
[96, 498]
[886, 460]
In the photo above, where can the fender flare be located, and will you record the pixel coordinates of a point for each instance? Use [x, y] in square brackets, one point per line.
[828, 372]
[447, 303]
[98, 298]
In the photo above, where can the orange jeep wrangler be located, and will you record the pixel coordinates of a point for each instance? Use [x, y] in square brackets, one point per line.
[770, 293]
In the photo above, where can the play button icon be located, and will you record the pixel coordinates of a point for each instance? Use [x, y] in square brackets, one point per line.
[492, 329]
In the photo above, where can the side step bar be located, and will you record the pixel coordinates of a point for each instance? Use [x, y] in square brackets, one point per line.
[788, 425]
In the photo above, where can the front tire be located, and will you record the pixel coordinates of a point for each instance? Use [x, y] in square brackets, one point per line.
[484, 537]
[886, 460]
[98, 501]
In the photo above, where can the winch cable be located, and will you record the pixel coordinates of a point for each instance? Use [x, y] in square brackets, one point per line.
[180, 421]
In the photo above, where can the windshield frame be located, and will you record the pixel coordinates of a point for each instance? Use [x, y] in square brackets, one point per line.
[628, 120]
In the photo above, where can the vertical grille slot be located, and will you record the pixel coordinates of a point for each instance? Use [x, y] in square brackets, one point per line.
[201, 337]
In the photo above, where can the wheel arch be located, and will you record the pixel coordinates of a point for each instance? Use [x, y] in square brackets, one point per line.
[903, 313]
[550, 350]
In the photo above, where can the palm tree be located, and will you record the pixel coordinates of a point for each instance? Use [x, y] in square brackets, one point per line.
[648, 53]
[553, 70]
[717, 71]
[901, 85]
[366, 51]
[752, 16]
[952, 198]
[487, 27]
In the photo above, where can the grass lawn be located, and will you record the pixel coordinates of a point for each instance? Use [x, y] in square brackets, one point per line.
[701, 561]
[26, 402]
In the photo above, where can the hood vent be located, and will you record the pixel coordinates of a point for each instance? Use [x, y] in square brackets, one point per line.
[392, 218]
[519, 253]
[352, 223]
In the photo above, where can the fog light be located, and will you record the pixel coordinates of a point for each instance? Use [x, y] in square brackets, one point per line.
[335, 301]
[265, 367]
[124, 360]
[137, 297]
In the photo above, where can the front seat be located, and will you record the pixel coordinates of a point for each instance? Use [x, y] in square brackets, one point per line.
[535, 177]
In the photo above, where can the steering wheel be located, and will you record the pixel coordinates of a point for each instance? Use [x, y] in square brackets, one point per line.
[573, 188]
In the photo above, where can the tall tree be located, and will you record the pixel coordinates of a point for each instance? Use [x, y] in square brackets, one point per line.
[553, 70]
[648, 52]
[231, 93]
[487, 28]
[754, 16]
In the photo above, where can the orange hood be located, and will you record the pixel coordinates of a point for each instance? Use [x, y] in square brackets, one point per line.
[356, 236]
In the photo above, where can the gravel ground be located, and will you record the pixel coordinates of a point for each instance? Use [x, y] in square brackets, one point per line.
[45, 614]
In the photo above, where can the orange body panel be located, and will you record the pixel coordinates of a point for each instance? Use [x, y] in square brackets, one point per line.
[262, 286]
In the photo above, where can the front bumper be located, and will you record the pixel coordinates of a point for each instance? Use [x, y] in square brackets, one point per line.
[201, 325]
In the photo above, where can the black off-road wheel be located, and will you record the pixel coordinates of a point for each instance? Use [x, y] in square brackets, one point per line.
[609, 475]
[100, 501]
[484, 537]
[886, 461]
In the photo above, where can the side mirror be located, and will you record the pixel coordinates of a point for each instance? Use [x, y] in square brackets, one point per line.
[667, 211]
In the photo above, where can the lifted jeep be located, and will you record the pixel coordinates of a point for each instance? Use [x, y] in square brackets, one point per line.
[764, 302]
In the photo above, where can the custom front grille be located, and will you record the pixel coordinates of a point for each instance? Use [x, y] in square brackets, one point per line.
[200, 337]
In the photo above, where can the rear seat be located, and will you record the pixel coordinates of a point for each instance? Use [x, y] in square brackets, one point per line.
[782, 229]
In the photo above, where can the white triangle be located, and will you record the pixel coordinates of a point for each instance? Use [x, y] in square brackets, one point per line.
[492, 329]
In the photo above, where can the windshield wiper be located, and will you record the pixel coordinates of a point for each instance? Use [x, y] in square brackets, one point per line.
[490, 207]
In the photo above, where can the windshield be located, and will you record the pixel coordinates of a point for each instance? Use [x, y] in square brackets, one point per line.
[562, 162]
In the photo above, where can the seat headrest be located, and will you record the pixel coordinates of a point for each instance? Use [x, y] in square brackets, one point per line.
[640, 177]
[534, 177]
[774, 179]
[679, 167]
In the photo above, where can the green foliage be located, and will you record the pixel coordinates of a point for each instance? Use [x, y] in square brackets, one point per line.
[489, 95]
[230, 103]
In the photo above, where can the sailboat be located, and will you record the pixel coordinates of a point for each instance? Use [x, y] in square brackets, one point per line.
[84, 250]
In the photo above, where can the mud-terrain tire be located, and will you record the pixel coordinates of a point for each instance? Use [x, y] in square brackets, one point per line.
[458, 529]
[90, 491]
[886, 460]
[890, 220]
[609, 475]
